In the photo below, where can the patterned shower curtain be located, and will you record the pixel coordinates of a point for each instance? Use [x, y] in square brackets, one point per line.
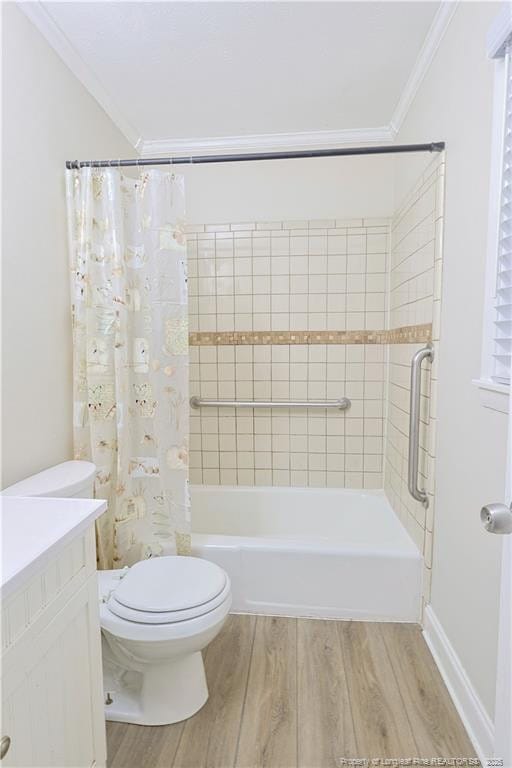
[130, 356]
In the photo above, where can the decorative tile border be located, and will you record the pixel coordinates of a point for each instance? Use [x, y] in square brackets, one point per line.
[410, 334]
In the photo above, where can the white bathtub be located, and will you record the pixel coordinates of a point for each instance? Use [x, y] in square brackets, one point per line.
[329, 553]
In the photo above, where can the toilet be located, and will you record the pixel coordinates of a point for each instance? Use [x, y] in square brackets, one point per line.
[156, 617]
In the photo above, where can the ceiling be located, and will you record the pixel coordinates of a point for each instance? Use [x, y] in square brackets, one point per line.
[191, 70]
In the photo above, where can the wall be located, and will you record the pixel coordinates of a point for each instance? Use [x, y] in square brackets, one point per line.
[48, 117]
[298, 310]
[280, 276]
[285, 287]
[454, 104]
[351, 187]
[415, 282]
[279, 310]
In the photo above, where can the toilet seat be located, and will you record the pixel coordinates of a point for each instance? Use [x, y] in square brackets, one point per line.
[166, 617]
[177, 631]
[169, 590]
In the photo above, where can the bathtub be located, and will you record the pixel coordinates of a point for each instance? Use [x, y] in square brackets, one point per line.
[320, 552]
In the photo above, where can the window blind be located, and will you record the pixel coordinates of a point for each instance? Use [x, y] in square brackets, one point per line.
[503, 304]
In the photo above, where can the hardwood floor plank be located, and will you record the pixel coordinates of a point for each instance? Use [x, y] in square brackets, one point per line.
[209, 739]
[268, 735]
[325, 726]
[115, 735]
[438, 730]
[287, 693]
[142, 746]
[380, 719]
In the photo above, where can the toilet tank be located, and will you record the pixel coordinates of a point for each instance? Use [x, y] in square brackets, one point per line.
[71, 479]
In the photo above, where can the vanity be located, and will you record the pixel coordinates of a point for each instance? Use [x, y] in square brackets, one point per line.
[52, 691]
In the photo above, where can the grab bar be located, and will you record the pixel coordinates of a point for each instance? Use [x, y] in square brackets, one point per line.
[414, 423]
[342, 404]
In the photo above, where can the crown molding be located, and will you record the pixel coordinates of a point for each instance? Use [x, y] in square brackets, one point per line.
[423, 62]
[44, 22]
[266, 142]
[500, 33]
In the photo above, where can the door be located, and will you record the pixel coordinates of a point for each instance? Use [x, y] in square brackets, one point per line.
[52, 697]
[497, 518]
[503, 720]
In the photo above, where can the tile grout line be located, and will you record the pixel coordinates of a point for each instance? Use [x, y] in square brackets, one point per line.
[242, 713]
[349, 692]
[217, 389]
[177, 746]
[398, 685]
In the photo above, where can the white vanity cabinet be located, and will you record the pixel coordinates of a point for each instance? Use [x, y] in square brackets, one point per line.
[52, 692]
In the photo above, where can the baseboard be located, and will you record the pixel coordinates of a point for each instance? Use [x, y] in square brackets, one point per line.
[476, 721]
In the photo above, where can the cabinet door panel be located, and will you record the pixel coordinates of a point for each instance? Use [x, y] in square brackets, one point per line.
[16, 724]
[55, 707]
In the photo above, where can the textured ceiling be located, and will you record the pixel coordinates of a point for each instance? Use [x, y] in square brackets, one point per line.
[196, 69]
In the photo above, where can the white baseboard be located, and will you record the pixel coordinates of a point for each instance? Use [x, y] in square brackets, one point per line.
[471, 710]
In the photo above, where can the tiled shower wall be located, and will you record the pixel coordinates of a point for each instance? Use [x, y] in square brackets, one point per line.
[289, 446]
[415, 297]
[280, 276]
[286, 292]
[314, 310]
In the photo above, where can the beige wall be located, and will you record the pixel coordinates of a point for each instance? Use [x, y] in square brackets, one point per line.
[326, 188]
[454, 104]
[48, 117]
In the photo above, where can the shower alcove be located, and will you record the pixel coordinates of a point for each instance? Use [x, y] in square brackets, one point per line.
[309, 509]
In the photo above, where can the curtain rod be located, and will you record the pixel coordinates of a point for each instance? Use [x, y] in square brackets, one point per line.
[436, 146]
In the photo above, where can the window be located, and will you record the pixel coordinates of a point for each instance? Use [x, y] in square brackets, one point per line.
[497, 346]
[503, 290]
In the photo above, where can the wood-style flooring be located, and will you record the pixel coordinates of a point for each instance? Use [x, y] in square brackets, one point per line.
[290, 693]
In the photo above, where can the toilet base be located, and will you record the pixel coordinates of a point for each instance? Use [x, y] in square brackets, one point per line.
[160, 695]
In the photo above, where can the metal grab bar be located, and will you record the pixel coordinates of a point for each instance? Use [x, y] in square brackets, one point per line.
[342, 404]
[427, 353]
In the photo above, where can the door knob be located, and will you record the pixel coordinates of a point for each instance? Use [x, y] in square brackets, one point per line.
[496, 518]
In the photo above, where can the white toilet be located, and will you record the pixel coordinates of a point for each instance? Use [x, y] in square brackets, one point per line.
[156, 617]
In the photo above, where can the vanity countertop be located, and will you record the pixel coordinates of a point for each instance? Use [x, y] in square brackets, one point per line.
[34, 528]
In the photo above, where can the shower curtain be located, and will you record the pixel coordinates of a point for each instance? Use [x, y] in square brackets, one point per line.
[130, 356]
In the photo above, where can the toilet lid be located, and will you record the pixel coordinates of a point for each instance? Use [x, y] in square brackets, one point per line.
[166, 589]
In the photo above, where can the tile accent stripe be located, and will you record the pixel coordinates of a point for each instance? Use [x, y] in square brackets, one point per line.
[408, 334]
